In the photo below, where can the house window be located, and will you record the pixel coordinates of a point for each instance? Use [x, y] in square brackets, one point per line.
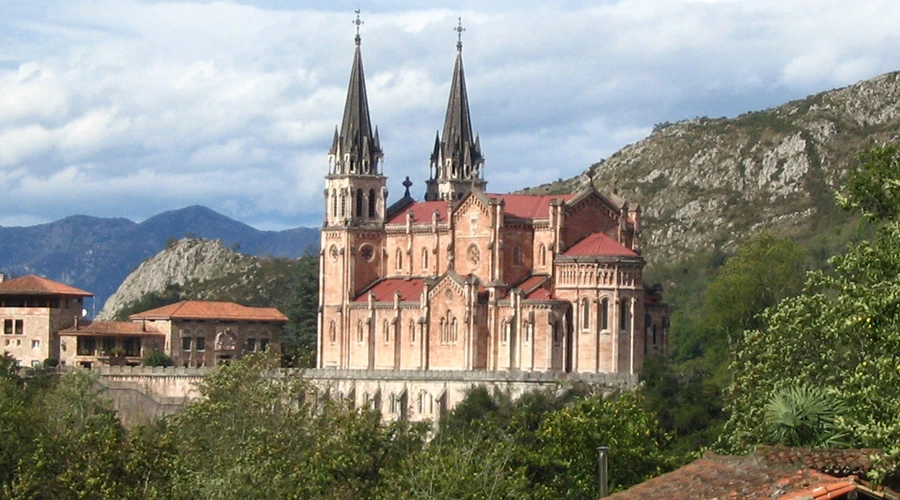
[424, 259]
[263, 344]
[186, 344]
[7, 327]
[359, 332]
[543, 254]
[20, 327]
[517, 256]
[412, 332]
[623, 314]
[251, 345]
[398, 259]
[109, 343]
[200, 343]
[35, 344]
[443, 330]
[604, 314]
[454, 330]
[385, 331]
[85, 346]
[372, 203]
[585, 314]
[132, 347]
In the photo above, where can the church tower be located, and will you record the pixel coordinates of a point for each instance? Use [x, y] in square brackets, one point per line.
[353, 231]
[456, 162]
[355, 188]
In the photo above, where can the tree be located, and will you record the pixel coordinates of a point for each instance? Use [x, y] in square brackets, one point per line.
[299, 339]
[842, 334]
[157, 358]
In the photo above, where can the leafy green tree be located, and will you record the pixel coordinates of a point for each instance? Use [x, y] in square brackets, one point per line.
[569, 439]
[765, 270]
[299, 339]
[157, 358]
[803, 415]
[842, 334]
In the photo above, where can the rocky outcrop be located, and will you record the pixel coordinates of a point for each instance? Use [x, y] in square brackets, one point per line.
[707, 183]
[187, 261]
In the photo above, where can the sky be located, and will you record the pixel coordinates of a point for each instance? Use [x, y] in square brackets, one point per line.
[130, 108]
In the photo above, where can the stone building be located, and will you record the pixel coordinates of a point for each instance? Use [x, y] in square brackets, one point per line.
[205, 333]
[194, 333]
[32, 311]
[473, 280]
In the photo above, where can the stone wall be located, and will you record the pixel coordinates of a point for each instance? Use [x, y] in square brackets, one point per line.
[140, 394]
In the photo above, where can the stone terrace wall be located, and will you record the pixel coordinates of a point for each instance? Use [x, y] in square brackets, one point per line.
[140, 394]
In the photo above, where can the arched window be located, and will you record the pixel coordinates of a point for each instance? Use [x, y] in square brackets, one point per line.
[334, 203]
[412, 332]
[453, 330]
[623, 314]
[359, 332]
[372, 203]
[443, 331]
[556, 332]
[343, 205]
[543, 254]
[398, 259]
[386, 331]
[332, 332]
[517, 255]
[604, 314]
[585, 314]
[424, 258]
[359, 203]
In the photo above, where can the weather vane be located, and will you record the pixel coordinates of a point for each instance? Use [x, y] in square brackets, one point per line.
[459, 29]
[357, 22]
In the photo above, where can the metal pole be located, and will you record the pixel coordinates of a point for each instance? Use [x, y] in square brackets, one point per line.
[602, 464]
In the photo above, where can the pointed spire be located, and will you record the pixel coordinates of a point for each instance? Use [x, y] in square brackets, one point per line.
[356, 137]
[457, 155]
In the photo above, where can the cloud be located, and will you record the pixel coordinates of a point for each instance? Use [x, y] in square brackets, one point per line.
[129, 108]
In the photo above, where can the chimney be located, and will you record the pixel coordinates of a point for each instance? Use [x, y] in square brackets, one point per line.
[2, 277]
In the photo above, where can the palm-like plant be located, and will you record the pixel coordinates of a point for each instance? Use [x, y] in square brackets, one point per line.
[804, 415]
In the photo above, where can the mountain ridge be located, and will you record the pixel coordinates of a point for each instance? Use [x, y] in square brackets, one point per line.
[97, 253]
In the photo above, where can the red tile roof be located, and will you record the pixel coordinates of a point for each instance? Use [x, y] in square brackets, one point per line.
[770, 472]
[599, 244]
[90, 328]
[410, 290]
[539, 294]
[201, 309]
[421, 211]
[528, 206]
[35, 285]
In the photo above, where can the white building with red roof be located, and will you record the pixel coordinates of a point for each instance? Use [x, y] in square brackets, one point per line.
[471, 280]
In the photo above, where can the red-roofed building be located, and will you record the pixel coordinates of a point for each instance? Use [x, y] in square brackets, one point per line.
[32, 312]
[205, 333]
[192, 332]
[470, 280]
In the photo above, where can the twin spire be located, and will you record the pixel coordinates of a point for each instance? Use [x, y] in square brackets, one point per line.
[456, 160]
[356, 149]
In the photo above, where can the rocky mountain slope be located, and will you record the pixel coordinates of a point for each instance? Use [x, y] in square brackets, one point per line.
[96, 254]
[707, 183]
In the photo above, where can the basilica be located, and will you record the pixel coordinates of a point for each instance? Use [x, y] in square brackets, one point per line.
[471, 280]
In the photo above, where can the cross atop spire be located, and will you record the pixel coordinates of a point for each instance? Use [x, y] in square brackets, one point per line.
[357, 22]
[459, 29]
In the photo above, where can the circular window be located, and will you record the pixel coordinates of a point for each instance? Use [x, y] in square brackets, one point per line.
[366, 252]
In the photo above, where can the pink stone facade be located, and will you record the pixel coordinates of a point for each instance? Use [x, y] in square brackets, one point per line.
[468, 279]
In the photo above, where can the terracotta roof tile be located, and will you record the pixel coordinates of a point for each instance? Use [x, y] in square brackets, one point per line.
[410, 290]
[90, 328]
[201, 309]
[529, 206]
[35, 285]
[421, 211]
[599, 244]
[770, 472]
[539, 294]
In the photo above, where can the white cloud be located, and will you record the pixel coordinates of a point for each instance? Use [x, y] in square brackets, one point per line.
[128, 108]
